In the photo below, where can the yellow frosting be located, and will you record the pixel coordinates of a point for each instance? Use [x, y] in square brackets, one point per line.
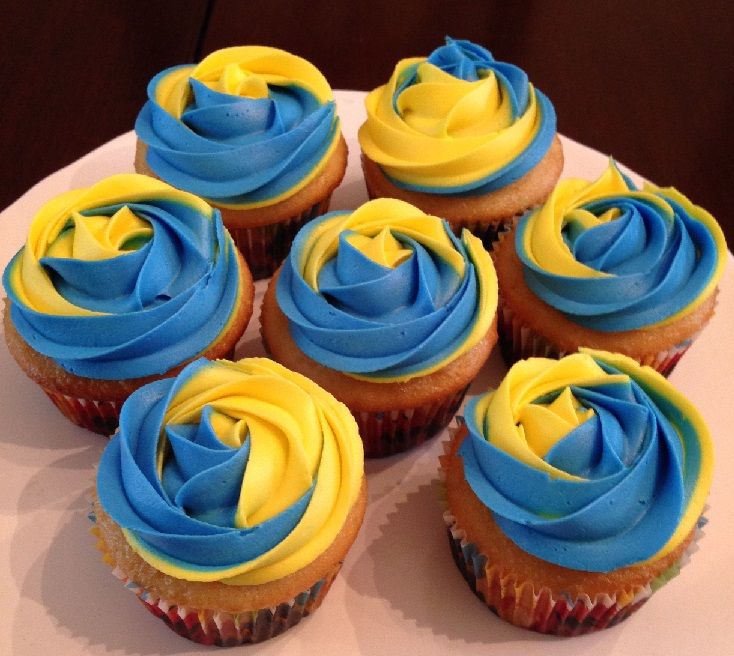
[512, 422]
[544, 246]
[444, 131]
[60, 230]
[299, 434]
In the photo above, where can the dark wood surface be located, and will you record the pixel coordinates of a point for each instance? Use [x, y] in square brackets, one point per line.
[649, 82]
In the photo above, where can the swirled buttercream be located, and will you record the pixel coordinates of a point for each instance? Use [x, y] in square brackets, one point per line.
[457, 122]
[237, 472]
[612, 257]
[124, 279]
[386, 292]
[591, 462]
[247, 127]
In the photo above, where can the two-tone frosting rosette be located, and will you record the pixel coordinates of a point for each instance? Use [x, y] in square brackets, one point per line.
[461, 135]
[229, 498]
[253, 130]
[606, 265]
[390, 312]
[117, 284]
[574, 489]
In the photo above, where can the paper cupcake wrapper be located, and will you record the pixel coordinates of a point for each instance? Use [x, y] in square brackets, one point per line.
[215, 627]
[96, 415]
[488, 231]
[518, 341]
[265, 247]
[524, 604]
[394, 431]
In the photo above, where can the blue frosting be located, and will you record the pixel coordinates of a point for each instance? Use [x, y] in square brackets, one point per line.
[164, 303]
[233, 149]
[185, 515]
[639, 460]
[660, 262]
[369, 319]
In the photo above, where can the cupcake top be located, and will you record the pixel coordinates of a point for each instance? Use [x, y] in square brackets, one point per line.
[386, 292]
[245, 128]
[124, 279]
[591, 462]
[612, 257]
[238, 472]
[457, 122]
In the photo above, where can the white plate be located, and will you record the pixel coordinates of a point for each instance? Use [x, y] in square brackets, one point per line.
[399, 591]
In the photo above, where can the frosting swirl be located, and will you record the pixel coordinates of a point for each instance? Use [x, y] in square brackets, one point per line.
[613, 258]
[457, 122]
[237, 472]
[245, 128]
[124, 279]
[591, 462]
[386, 292]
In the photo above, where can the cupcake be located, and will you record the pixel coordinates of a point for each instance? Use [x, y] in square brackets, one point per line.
[461, 136]
[229, 498]
[605, 265]
[390, 312]
[254, 131]
[117, 285]
[574, 490]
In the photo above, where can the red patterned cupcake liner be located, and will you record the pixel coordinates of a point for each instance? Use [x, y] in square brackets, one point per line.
[518, 342]
[213, 627]
[98, 416]
[394, 431]
[265, 247]
[488, 232]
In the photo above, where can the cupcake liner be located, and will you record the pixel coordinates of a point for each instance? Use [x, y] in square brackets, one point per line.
[394, 431]
[518, 341]
[216, 627]
[489, 231]
[492, 232]
[265, 247]
[98, 416]
[521, 603]
[213, 627]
